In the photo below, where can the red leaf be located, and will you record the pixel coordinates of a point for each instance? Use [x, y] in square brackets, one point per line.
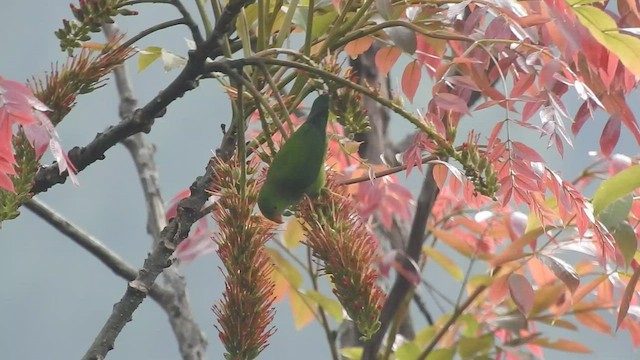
[404, 265]
[386, 58]
[411, 79]
[530, 108]
[448, 101]
[525, 152]
[198, 243]
[463, 82]
[594, 321]
[621, 108]
[521, 292]
[494, 134]
[583, 113]
[17, 106]
[358, 46]
[532, 20]
[440, 176]
[523, 84]
[627, 296]
[610, 135]
[429, 52]
[547, 73]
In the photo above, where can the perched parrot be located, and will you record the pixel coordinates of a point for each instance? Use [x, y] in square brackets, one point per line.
[298, 168]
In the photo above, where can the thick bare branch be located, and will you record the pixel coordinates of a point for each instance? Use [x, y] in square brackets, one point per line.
[189, 209]
[109, 258]
[191, 341]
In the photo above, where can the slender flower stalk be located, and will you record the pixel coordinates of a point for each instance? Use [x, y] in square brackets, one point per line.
[246, 310]
[82, 74]
[339, 239]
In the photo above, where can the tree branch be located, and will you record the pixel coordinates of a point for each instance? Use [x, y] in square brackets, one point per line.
[189, 209]
[192, 342]
[109, 258]
[402, 286]
[142, 119]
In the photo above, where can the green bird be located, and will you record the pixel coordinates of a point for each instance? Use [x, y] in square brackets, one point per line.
[298, 168]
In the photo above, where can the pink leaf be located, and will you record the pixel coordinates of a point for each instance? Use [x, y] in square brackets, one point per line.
[404, 266]
[411, 79]
[547, 73]
[618, 163]
[18, 106]
[198, 243]
[583, 113]
[452, 169]
[386, 58]
[563, 271]
[629, 291]
[530, 108]
[521, 292]
[428, 54]
[358, 46]
[172, 205]
[525, 152]
[523, 84]
[610, 135]
[451, 102]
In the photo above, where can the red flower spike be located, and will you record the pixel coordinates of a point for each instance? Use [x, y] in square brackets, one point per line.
[246, 310]
[338, 238]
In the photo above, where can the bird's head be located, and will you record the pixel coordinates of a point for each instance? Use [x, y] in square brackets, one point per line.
[271, 207]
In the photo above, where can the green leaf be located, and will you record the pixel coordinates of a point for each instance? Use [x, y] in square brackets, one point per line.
[243, 30]
[616, 213]
[605, 30]
[470, 323]
[147, 56]
[444, 261]
[331, 306]
[322, 23]
[616, 187]
[441, 354]
[293, 234]
[408, 351]
[284, 267]
[425, 335]
[627, 241]
[470, 346]
[302, 308]
[285, 29]
[351, 353]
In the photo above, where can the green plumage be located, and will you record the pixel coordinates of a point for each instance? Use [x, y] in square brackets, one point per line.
[298, 168]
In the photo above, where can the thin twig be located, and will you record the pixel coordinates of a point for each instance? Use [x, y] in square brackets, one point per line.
[193, 26]
[422, 307]
[146, 32]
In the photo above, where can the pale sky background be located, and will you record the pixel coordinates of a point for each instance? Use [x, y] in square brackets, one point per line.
[56, 296]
